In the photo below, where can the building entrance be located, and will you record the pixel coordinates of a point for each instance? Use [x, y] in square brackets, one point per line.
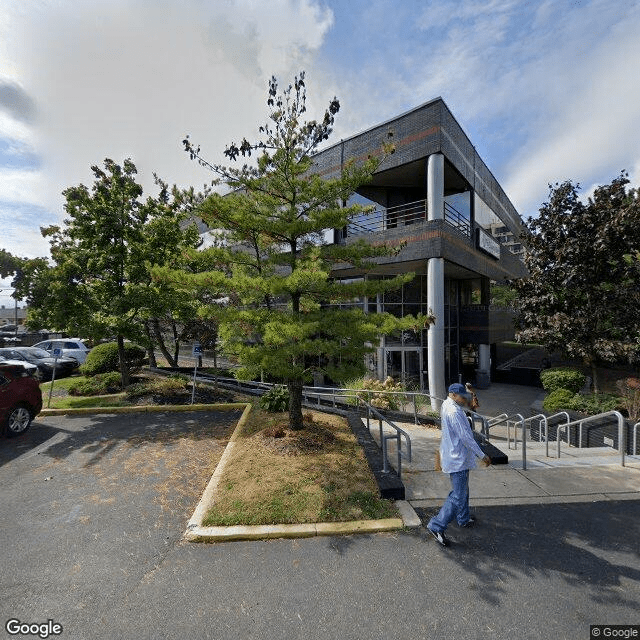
[405, 364]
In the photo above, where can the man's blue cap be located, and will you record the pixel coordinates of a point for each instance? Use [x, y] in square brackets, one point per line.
[459, 389]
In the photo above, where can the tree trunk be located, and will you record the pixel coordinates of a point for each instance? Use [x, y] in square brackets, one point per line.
[150, 348]
[176, 343]
[122, 359]
[160, 340]
[595, 386]
[295, 404]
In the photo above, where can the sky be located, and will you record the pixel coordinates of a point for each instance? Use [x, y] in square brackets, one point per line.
[546, 91]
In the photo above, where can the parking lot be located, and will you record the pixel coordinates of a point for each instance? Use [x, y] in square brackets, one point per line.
[94, 509]
[91, 504]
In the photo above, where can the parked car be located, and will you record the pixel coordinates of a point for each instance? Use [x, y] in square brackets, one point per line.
[20, 399]
[43, 360]
[31, 368]
[69, 347]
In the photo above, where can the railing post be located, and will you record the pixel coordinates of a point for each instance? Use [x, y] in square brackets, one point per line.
[546, 436]
[622, 437]
[558, 437]
[524, 446]
[579, 434]
[415, 409]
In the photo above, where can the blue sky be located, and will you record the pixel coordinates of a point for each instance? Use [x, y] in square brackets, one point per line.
[546, 90]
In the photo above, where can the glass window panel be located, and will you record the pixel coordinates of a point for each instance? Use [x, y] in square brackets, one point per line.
[393, 309]
[393, 339]
[411, 309]
[393, 296]
[410, 338]
[412, 290]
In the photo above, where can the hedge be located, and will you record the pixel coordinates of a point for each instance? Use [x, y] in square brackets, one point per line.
[104, 358]
[562, 378]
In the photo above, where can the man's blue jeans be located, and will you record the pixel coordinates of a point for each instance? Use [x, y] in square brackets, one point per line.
[456, 505]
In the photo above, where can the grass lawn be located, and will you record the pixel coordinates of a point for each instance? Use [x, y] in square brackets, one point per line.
[278, 476]
[60, 398]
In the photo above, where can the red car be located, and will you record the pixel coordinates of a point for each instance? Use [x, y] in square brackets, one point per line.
[20, 399]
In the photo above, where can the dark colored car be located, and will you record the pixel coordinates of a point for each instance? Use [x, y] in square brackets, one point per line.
[20, 399]
[42, 359]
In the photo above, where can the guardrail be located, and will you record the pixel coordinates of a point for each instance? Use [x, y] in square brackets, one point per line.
[622, 432]
[545, 420]
[384, 218]
[502, 418]
[383, 440]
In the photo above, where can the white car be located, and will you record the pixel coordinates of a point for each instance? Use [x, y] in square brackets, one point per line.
[30, 368]
[69, 348]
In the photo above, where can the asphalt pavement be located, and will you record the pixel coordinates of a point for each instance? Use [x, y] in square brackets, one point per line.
[95, 508]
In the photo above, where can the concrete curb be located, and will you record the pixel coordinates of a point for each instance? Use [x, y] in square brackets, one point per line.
[159, 408]
[196, 532]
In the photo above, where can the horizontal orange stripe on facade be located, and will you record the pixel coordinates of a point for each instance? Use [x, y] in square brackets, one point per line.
[400, 143]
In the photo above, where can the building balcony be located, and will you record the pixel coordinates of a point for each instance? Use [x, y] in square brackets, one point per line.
[382, 219]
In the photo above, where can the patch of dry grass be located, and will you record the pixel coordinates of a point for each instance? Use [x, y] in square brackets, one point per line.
[279, 476]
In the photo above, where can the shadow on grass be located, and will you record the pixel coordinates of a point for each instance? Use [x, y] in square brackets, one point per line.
[595, 544]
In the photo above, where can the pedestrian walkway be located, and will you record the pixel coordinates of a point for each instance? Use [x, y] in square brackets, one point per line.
[579, 475]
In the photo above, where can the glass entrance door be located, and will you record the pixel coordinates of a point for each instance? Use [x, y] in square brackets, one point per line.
[404, 364]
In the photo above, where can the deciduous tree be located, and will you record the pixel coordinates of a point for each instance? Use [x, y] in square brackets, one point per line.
[583, 295]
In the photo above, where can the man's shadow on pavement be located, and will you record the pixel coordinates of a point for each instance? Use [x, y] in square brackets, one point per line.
[581, 542]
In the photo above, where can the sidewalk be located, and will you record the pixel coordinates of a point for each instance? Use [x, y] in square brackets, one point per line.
[580, 475]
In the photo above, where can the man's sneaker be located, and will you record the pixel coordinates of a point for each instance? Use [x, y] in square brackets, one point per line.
[439, 536]
[469, 523]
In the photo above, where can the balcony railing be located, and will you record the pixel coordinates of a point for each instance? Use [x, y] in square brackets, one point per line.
[454, 218]
[384, 218]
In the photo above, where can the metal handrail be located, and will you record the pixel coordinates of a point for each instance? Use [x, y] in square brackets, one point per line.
[383, 439]
[383, 218]
[410, 395]
[508, 420]
[545, 419]
[453, 217]
[622, 440]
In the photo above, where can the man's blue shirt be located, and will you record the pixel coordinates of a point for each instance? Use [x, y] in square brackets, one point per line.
[458, 448]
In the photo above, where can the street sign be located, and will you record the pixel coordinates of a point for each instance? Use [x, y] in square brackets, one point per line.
[57, 352]
[197, 349]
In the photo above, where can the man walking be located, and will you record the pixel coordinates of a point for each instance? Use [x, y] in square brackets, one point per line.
[458, 453]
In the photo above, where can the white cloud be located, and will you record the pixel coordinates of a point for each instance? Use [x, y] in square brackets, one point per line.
[591, 132]
[129, 78]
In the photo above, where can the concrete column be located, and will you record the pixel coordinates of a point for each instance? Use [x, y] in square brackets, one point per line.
[381, 351]
[435, 186]
[483, 372]
[435, 334]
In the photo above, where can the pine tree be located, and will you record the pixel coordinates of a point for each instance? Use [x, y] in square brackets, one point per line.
[283, 318]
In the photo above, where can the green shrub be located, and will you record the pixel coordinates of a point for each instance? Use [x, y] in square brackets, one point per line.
[559, 400]
[562, 378]
[104, 358]
[600, 403]
[99, 385]
[275, 400]
[564, 399]
[381, 400]
[157, 387]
